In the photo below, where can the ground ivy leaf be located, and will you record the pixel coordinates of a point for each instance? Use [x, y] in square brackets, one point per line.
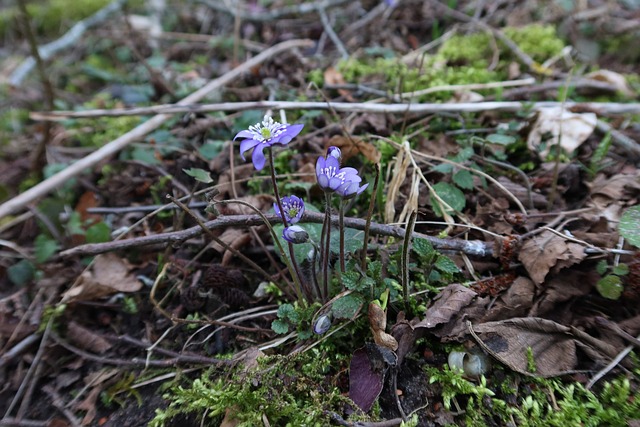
[610, 287]
[451, 195]
[463, 179]
[347, 306]
[21, 272]
[446, 265]
[98, 233]
[422, 247]
[199, 175]
[44, 248]
[280, 326]
[629, 226]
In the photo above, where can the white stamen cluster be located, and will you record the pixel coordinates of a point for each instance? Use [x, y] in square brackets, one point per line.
[266, 130]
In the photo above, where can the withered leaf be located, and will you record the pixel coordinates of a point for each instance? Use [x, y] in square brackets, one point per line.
[108, 275]
[546, 250]
[552, 346]
[353, 146]
[447, 304]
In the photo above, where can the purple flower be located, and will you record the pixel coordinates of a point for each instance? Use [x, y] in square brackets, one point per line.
[293, 209]
[295, 234]
[332, 178]
[265, 134]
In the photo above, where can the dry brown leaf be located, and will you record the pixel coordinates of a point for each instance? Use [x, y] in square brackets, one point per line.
[108, 275]
[544, 251]
[611, 77]
[451, 301]
[515, 302]
[353, 146]
[567, 285]
[86, 339]
[334, 77]
[552, 346]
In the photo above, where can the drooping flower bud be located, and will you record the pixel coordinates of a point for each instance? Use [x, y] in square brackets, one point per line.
[295, 234]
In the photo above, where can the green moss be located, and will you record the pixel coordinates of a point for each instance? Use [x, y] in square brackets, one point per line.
[463, 59]
[541, 402]
[288, 391]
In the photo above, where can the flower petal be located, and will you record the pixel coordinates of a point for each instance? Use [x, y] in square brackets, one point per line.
[323, 181]
[258, 157]
[244, 134]
[247, 145]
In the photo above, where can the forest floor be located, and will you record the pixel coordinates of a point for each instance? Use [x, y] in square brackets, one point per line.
[481, 267]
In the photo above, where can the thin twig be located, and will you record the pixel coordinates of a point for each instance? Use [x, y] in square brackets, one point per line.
[68, 39]
[332, 34]
[272, 15]
[600, 108]
[139, 132]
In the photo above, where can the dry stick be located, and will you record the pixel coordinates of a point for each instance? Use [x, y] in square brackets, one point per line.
[222, 243]
[118, 144]
[68, 39]
[38, 160]
[470, 247]
[275, 14]
[600, 108]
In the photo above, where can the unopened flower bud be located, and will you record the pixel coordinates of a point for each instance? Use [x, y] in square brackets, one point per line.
[322, 325]
[295, 234]
[334, 151]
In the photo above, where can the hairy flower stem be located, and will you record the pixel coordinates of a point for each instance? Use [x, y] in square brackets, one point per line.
[367, 226]
[341, 231]
[326, 235]
[411, 222]
[301, 289]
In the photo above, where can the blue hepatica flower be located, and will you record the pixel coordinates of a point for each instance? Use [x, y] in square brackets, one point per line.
[332, 178]
[334, 151]
[265, 134]
[295, 234]
[293, 209]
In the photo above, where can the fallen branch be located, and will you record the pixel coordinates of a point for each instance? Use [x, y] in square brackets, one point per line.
[270, 15]
[600, 108]
[137, 133]
[469, 247]
[68, 39]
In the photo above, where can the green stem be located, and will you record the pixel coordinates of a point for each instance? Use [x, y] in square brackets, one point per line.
[293, 266]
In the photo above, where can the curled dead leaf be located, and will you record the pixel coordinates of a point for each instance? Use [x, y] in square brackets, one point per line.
[568, 129]
[378, 324]
[547, 250]
[108, 275]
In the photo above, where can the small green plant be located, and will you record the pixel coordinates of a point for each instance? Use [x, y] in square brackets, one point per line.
[294, 390]
[610, 284]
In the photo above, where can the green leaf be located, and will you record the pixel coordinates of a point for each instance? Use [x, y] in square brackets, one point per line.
[21, 273]
[350, 279]
[422, 247]
[445, 265]
[199, 175]
[347, 306]
[44, 248]
[280, 326]
[287, 311]
[451, 195]
[496, 138]
[98, 233]
[602, 267]
[629, 226]
[610, 287]
[210, 149]
[621, 270]
[463, 179]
